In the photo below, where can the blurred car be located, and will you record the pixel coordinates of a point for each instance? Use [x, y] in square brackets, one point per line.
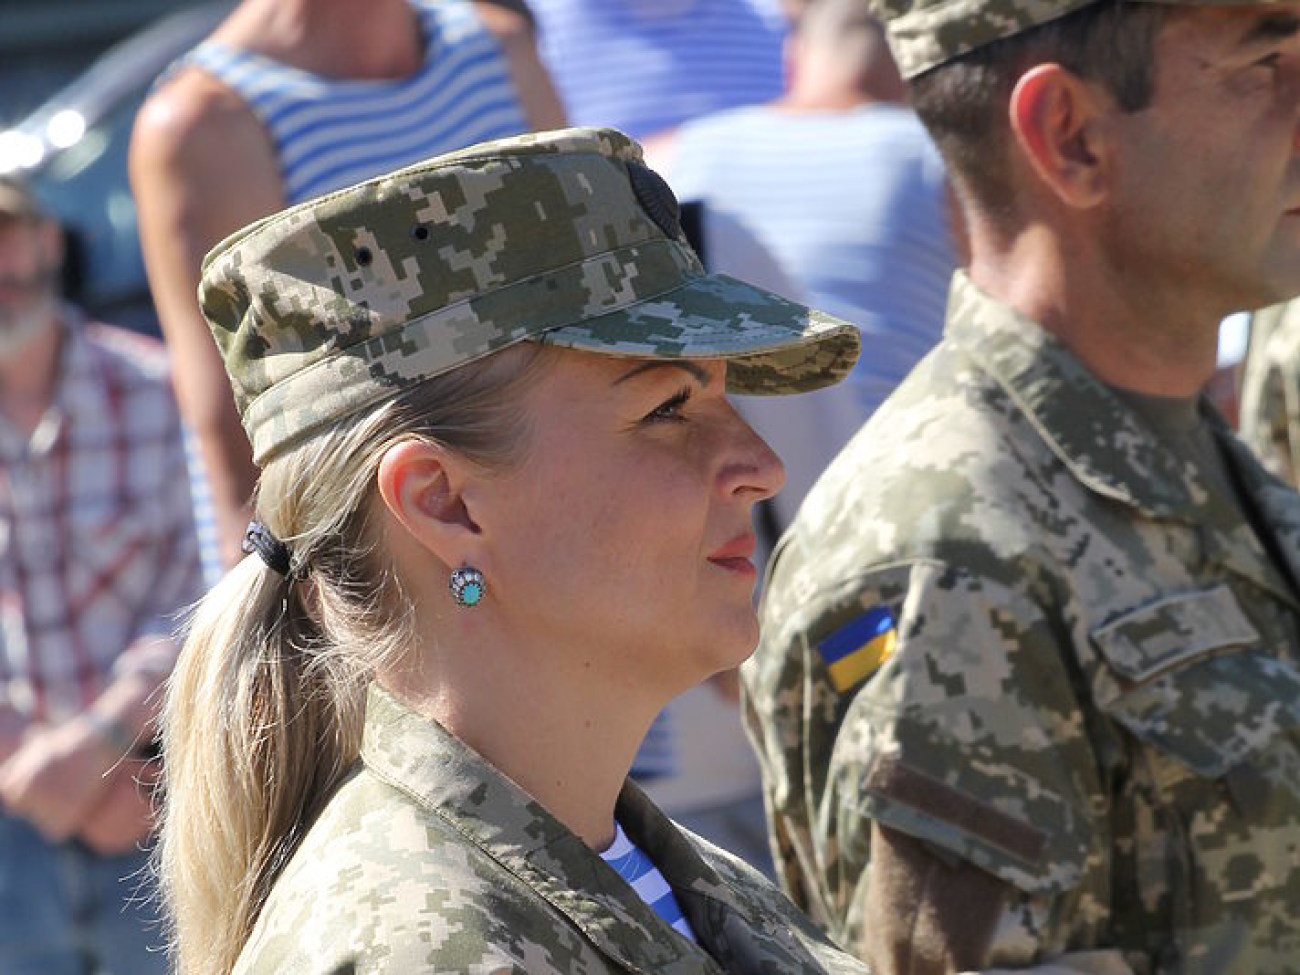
[72, 151]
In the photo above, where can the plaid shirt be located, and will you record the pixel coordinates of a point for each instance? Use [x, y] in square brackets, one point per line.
[97, 545]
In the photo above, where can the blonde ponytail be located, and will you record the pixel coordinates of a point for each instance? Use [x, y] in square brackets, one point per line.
[262, 718]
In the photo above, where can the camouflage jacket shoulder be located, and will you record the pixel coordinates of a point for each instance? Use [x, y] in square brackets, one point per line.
[428, 860]
[1013, 622]
[1270, 393]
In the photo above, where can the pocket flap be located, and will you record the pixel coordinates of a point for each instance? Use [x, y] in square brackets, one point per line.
[1213, 714]
[1158, 636]
[1208, 709]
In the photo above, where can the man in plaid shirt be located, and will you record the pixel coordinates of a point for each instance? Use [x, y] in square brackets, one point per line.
[97, 557]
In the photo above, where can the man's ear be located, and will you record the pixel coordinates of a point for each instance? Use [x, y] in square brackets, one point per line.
[1057, 122]
[422, 487]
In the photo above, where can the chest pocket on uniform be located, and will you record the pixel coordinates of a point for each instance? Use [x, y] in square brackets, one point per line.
[1187, 674]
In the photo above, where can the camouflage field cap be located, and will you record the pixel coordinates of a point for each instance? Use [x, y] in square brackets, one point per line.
[564, 238]
[923, 34]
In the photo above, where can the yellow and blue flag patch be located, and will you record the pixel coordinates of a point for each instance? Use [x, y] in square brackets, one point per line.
[856, 650]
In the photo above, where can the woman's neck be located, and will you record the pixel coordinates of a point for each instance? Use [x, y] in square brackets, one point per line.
[565, 738]
[343, 39]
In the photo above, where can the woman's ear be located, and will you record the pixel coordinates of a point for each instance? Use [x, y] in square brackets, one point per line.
[1057, 122]
[422, 487]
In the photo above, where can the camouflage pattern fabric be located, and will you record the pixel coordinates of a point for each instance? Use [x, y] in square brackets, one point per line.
[564, 238]
[923, 34]
[1086, 679]
[1270, 391]
[428, 860]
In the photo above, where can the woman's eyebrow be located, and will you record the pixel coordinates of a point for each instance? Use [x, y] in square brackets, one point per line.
[701, 375]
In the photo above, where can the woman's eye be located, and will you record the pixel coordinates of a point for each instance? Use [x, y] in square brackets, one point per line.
[670, 409]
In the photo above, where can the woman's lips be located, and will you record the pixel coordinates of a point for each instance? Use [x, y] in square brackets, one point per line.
[736, 555]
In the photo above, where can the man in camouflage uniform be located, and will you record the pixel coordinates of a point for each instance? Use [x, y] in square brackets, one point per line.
[1028, 694]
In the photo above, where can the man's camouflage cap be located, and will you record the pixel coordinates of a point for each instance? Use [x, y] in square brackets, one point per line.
[564, 238]
[923, 34]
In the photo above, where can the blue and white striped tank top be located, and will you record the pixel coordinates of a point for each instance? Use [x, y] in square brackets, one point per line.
[648, 65]
[631, 863]
[329, 133]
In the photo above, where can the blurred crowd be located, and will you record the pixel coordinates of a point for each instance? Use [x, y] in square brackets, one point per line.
[786, 134]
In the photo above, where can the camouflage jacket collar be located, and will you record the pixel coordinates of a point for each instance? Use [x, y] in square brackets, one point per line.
[1112, 452]
[1097, 436]
[453, 782]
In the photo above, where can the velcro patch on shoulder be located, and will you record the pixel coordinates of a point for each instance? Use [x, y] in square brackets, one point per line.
[891, 778]
[856, 649]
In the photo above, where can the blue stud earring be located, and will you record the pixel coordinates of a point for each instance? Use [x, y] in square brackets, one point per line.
[467, 586]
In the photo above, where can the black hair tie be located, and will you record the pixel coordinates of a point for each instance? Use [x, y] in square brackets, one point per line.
[272, 551]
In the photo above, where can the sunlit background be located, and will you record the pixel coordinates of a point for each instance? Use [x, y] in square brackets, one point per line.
[72, 75]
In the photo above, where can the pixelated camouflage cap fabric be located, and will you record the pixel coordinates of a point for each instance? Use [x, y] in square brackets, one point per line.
[923, 34]
[564, 238]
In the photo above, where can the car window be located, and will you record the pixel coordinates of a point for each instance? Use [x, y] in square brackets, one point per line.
[86, 186]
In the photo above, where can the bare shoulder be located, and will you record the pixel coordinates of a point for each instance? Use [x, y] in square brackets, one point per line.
[201, 166]
[194, 125]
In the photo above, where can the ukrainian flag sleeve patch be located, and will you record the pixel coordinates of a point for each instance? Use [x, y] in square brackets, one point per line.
[856, 650]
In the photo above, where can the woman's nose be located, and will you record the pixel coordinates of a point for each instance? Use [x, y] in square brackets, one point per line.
[755, 469]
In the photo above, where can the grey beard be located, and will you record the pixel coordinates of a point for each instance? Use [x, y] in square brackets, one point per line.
[17, 330]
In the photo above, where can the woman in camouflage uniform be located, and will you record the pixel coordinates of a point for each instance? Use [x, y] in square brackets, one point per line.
[504, 516]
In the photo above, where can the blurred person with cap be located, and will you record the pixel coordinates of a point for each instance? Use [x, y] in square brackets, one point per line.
[288, 99]
[1028, 693]
[503, 515]
[98, 556]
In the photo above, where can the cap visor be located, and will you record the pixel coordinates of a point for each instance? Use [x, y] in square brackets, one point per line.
[772, 346]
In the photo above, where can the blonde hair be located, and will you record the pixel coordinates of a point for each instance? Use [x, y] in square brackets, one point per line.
[262, 717]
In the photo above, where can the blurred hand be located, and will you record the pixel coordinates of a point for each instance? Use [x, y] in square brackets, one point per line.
[56, 776]
[124, 815]
[13, 726]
